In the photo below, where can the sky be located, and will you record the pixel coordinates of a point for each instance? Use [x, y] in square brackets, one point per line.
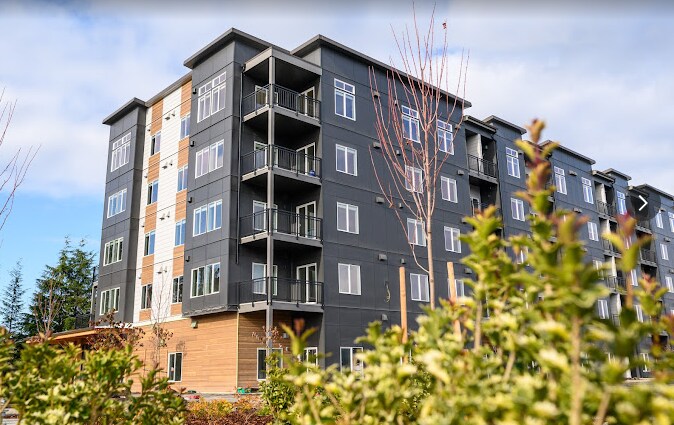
[599, 73]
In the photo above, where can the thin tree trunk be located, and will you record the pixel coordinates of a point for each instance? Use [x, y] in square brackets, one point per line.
[431, 268]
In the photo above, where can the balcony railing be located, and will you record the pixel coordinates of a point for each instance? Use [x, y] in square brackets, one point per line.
[644, 225]
[284, 98]
[482, 166]
[615, 318]
[647, 255]
[479, 207]
[281, 289]
[273, 220]
[615, 283]
[83, 321]
[606, 209]
[608, 246]
[283, 158]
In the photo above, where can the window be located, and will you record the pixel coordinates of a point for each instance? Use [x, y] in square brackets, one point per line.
[647, 359]
[419, 285]
[658, 220]
[259, 275]
[460, 288]
[602, 309]
[182, 178]
[517, 208]
[109, 301]
[592, 231]
[149, 243]
[207, 218]
[113, 251]
[345, 100]
[410, 124]
[348, 360]
[146, 296]
[211, 97]
[347, 218]
[414, 179]
[663, 252]
[560, 180]
[121, 150]
[262, 361]
[669, 284]
[521, 255]
[155, 143]
[209, 158]
[640, 312]
[599, 266]
[448, 189]
[175, 367]
[513, 162]
[587, 190]
[185, 126]
[452, 242]
[152, 192]
[117, 203]
[347, 160]
[671, 221]
[445, 137]
[310, 355]
[349, 279]
[622, 205]
[177, 290]
[415, 232]
[180, 233]
[634, 278]
[206, 280]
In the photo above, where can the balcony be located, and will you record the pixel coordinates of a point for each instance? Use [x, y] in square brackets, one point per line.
[287, 163]
[606, 209]
[295, 294]
[647, 256]
[609, 248]
[285, 226]
[83, 321]
[615, 318]
[615, 283]
[482, 167]
[288, 101]
[479, 207]
[644, 226]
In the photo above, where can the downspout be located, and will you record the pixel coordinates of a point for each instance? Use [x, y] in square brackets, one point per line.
[238, 183]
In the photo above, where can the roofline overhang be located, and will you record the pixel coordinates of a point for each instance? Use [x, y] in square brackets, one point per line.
[225, 38]
[123, 110]
[571, 152]
[500, 120]
[610, 171]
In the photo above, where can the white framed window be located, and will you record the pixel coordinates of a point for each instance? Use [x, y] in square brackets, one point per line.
[560, 180]
[347, 160]
[599, 266]
[112, 252]
[410, 124]
[348, 360]
[419, 287]
[146, 296]
[209, 158]
[347, 218]
[588, 194]
[310, 355]
[415, 232]
[669, 284]
[592, 231]
[185, 126]
[602, 309]
[207, 218]
[155, 143]
[180, 233]
[460, 288]
[349, 279]
[448, 189]
[414, 179]
[259, 275]
[664, 253]
[671, 221]
[647, 361]
[634, 277]
[121, 150]
[521, 255]
[452, 241]
[117, 203]
[517, 209]
[177, 290]
[513, 162]
[622, 204]
[109, 301]
[445, 137]
[175, 367]
[149, 243]
[262, 361]
[658, 220]
[211, 97]
[205, 280]
[152, 192]
[182, 178]
[640, 312]
[345, 100]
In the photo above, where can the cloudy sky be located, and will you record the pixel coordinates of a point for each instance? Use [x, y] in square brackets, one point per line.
[599, 75]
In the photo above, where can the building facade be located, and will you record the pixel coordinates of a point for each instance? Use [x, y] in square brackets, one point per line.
[243, 197]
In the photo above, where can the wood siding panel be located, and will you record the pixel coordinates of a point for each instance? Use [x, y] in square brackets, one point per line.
[150, 220]
[181, 205]
[177, 309]
[183, 152]
[185, 98]
[147, 274]
[144, 315]
[157, 112]
[178, 261]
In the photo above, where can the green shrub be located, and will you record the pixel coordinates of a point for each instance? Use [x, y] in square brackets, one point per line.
[210, 410]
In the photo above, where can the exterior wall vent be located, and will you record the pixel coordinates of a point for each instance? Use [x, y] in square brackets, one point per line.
[460, 172]
[382, 257]
[572, 173]
[402, 261]
[578, 210]
[376, 145]
[379, 199]
[189, 199]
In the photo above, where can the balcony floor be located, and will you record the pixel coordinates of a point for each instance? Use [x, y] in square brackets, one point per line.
[281, 305]
[284, 179]
[281, 239]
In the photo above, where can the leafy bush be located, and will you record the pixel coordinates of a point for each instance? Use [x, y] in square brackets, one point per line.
[277, 393]
[526, 348]
[246, 410]
[210, 410]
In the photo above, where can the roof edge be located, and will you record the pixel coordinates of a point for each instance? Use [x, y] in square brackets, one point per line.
[655, 189]
[170, 88]
[610, 171]
[603, 175]
[479, 123]
[571, 152]
[500, 120]
[123, 110]
[221, 40]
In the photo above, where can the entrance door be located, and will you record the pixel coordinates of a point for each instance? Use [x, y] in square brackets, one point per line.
[307, 102]
[306, 276]
[306, 223]
[260, 216]
[306, 159]
[259, 275]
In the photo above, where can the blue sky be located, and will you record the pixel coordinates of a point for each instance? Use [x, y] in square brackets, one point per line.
[599, 73]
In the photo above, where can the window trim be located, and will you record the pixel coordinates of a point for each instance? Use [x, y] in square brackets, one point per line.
[352, 290]
[185, 126]
[352, 352]
[346, 150]
[517, 209]
[418, 231]
[207, 280]
[105, 295]
[592, 231]
[669, 284]
[455, 234]
[347, 208]
[588, 192]
[213, 149]
[146, 296]
[168, 370]
[257, 361]
[182, 178]
[207, 208]
[450, 193]
[119, 204]
[183, 232]
[150, 240]
[155, 143]
[346, 94]
[113, 249]
[639, 312]
[411, 183]
[560, 180]
[209, 92]
[120, 147]
[512, 159]
[447, 130]
[178, 282]
[152, 192]
[412, 116]
[664, 252]
[602, 307]
[659, 221]
[420, 279]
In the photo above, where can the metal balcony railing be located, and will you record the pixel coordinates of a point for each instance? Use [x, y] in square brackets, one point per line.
[644, 224]
[606, 209]
[482, 166]
[284, 98]
[83, 321]
[269, 289]
[615, 283]
[647, 255]
[478, 207]
[608, 246]
[272, 220]
[283, 158]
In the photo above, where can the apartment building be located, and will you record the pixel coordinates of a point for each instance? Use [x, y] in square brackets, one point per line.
[243, 196]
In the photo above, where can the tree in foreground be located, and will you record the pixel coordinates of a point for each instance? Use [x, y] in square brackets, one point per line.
[11, 303]
[541, 357]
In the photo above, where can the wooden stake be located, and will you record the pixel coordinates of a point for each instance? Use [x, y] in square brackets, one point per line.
[453, 294]
[403, 303]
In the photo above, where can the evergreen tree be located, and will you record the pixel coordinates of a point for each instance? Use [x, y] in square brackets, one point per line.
[11, 304]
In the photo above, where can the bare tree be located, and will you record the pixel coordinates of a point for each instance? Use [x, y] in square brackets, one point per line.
[159, 311]
[409, 139]
[46, 310]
